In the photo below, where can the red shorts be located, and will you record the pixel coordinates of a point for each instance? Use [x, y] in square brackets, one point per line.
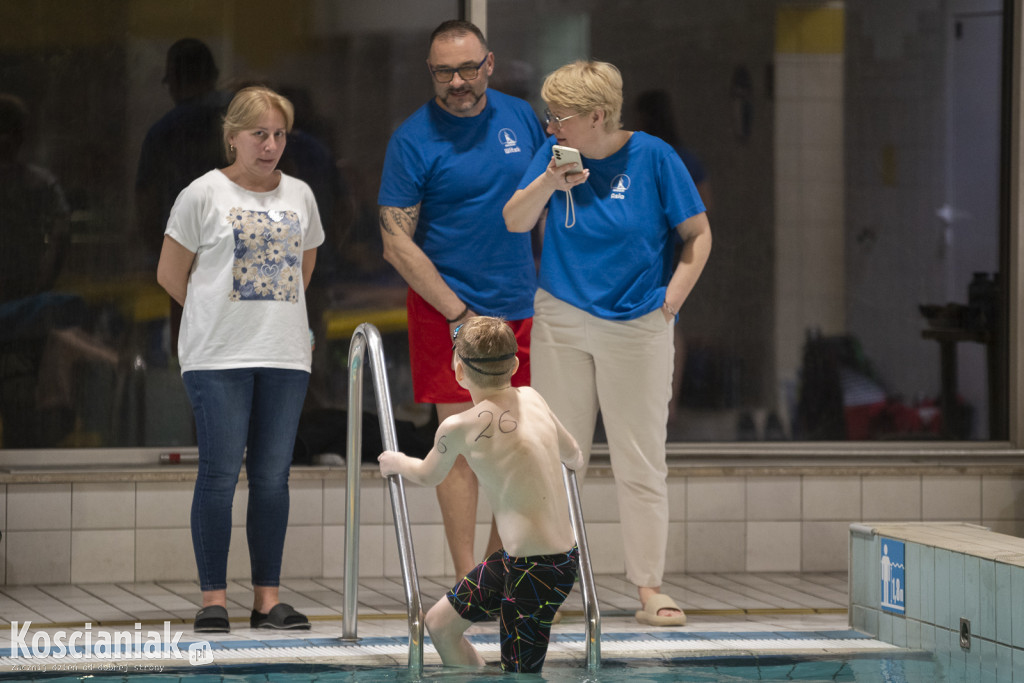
[430, 354]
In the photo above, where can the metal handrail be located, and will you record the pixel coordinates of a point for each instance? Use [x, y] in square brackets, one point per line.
[367, 337]
[591, 610]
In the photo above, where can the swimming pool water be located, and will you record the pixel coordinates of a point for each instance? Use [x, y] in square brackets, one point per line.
[911, 667]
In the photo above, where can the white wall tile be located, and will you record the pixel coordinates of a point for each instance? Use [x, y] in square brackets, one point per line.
[307, 502]
[334, 493]
[825, 546]
[163, 504]
[103, 505]
[239, 504]
[891, 498]
[431, 551]
[164, 555]
[38, 507]
[821, 165]
[789, 77]
[952, 498]
[677, 499]
[773, 498]
[675, 552]
[716, 546]
[605, 542]
[374, 503]
[303, 552]
[831, 498]
[715, 499]
[773, 546]
[37, 557]
[239, 567]
[371, 552]
[334, 551]
[823, 124]
[102, 556]
[599, 500]
[821, 77]
[422, 505]
[789, 123]
[1002, 497]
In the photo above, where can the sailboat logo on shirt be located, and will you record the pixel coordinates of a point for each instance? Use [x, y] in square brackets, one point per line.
[507, 138]
[620, 184]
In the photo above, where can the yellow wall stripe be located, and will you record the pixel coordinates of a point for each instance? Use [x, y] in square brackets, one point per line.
[801, 29]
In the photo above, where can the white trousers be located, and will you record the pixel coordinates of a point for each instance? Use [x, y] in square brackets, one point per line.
[582, 364]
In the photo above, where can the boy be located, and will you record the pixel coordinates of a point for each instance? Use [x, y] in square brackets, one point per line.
[510, 439]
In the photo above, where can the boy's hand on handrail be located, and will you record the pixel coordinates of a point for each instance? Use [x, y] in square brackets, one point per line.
[390, 462]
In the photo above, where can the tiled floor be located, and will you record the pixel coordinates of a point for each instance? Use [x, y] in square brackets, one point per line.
[728, 613]
[740, 596]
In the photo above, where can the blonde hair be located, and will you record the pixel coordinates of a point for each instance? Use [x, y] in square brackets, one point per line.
[487, 348]
[584, 87]
[246, 109]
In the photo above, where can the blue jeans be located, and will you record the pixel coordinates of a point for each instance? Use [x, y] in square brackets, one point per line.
[254, 409]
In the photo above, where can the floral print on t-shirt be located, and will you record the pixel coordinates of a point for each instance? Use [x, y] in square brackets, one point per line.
[268, 255]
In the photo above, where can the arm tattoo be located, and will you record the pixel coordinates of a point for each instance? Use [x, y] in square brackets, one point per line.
[394, 220]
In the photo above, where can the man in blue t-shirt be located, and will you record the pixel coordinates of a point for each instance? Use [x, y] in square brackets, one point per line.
[448, 171]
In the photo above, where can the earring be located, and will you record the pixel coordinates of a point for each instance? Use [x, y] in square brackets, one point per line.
[231, 147]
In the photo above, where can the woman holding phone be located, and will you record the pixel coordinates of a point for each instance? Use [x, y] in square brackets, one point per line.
[608, 297]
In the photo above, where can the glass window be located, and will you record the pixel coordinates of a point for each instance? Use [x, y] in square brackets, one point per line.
[848, 153]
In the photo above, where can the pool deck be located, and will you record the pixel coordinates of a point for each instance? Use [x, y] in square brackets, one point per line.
[728, 614]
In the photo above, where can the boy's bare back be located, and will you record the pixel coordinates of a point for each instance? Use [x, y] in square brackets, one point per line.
[512, 441]
[516, 446]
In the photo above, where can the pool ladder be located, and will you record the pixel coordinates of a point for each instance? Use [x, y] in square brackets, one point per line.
[365, 339]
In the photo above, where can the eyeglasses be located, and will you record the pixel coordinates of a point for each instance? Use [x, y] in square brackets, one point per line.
[466, 73]
[549, 118]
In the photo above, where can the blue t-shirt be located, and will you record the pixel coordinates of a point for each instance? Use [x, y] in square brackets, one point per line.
[610, 263]
[462, 171]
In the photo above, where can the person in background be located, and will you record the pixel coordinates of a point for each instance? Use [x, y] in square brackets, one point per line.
[655, 117]
[183, 145]
[604, 309]
[516, 446]
[34, 235]
[238, 253]
[448, 170]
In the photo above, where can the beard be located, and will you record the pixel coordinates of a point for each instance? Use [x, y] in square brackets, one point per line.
[464, 103]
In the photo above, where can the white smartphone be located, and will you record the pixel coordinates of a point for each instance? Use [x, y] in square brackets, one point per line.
[567, 155]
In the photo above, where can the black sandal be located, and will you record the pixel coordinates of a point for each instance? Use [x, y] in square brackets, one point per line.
[280, 616]
[212, 619]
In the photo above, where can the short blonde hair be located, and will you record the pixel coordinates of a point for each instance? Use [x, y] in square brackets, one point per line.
[584, 87]
[246, 109]
[487, 348]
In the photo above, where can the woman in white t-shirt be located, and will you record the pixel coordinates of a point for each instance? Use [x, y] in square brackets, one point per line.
[238, 253]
